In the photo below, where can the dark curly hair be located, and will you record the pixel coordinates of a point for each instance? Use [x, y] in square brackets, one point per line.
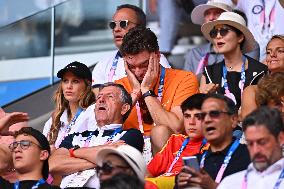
[137, 40]
[270, 89]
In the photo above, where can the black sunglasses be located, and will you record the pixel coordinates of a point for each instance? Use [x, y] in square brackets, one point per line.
[212, 114]
[107, 168]
[122, 23]
[24, 144]
[223, 32]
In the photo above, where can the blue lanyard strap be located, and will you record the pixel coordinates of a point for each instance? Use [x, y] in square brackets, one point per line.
[161, 82]
[39, 182]
[79, 111]
[114, 66]
[225, 73]
[226, 159]
[185, 142]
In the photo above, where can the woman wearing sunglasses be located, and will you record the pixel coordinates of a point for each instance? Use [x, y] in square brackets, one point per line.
[232, 39]
[73, 98]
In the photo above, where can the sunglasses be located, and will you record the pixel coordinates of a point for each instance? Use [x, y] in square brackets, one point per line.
[223, 32]
[212, 114]
[108, 167]
[24, 144]
[122, 24]
[191, 116]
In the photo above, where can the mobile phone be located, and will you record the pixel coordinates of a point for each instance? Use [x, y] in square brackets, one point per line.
[191, 161]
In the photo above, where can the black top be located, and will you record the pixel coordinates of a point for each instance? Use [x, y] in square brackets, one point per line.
[254, 72]
[214, 160]
[132, 137]
[27, 184]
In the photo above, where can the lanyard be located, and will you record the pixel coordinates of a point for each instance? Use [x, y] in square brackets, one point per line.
[241, 83]
[185, 142]
[113, 67]
[202, 63]
[271, 17]
[160, 95]
[68, 128]
[276, 186]
[225, 162]
[39, 182]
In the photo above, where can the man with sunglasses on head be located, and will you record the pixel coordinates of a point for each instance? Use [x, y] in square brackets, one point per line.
[264, 132]
[157, 92]
[76, 157]
[168, 162]
[225, 155]
[126, 17]
[30, 152]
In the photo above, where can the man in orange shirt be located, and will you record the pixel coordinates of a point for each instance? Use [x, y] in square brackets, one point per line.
[156, 91]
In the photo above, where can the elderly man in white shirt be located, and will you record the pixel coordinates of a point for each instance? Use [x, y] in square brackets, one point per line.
[264, 132]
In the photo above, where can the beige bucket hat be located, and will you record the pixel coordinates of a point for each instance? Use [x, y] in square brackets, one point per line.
[197, 14]
[235, 20]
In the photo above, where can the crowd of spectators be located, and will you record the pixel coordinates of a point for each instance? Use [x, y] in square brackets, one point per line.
[131, 122]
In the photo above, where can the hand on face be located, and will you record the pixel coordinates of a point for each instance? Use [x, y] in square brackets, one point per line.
[132, 79]
[152, 73]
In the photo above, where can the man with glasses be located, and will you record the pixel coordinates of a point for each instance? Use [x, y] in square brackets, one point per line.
[126, 17]
[226, 155]
[157, 92]
[76, 157]
[264, 132]
[30, 152]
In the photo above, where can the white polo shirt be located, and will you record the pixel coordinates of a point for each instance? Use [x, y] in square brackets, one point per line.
[255, 180]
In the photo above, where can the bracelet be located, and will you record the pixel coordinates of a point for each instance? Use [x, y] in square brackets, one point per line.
[71, 152]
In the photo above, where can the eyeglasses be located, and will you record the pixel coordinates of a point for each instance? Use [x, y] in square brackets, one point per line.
[107, 168]
[223, 32]
[212, 114]
[196, 116]
[24, 144]
[122, 23]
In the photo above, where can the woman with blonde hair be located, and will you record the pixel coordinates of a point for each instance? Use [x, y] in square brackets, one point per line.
[74, 99]
[275, 63]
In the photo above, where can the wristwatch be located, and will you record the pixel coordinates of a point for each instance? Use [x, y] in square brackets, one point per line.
[149, 93]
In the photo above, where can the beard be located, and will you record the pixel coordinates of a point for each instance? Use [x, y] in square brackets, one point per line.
[261, 165]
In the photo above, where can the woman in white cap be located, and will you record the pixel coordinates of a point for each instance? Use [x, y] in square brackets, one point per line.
[232, 39]
[74, 99]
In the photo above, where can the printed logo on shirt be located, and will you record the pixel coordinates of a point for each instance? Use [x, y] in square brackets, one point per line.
[257, 9]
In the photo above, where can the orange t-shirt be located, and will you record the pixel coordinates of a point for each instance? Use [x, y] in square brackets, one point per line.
[178, 86]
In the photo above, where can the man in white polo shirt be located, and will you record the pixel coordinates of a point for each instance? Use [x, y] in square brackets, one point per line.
[264, 132]
[126, 17]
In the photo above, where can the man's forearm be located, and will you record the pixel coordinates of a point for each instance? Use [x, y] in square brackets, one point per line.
[62, 164]
[161, 116]
[88, 153]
